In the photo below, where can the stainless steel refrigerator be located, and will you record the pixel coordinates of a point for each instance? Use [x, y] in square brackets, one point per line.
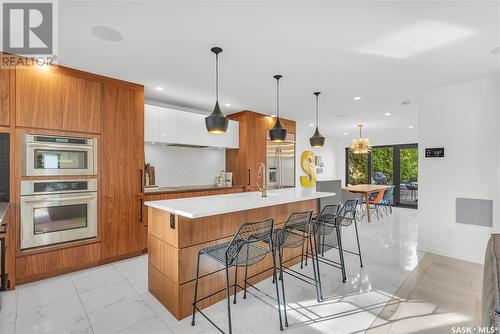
[281, 163]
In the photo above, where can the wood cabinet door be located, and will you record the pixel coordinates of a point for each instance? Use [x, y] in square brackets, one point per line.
[122, 141]
[122, 227]
[256, 138]
[55, 100]
[4, 97]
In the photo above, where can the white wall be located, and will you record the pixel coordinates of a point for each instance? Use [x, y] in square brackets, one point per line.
[179, 166]
[304, 132]
[464, 119]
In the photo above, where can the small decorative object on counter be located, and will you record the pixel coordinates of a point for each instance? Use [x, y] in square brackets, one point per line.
[229, 179]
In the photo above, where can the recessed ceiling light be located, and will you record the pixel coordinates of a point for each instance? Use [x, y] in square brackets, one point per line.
[107, 33]
[227, 105]
[410, 127]
[416, 38]
[356, 98]
[158, 88]
[273, 115]
[153, 142]
[345, 133]
[496, 51]
[387, 114]
[311, 124]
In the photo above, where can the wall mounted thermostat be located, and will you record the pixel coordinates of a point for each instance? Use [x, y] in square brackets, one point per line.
[434, 152]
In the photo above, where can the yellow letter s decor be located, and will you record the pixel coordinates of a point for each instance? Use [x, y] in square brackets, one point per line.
[307, 162]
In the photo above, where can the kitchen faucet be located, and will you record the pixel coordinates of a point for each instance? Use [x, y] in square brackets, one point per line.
[262, 173]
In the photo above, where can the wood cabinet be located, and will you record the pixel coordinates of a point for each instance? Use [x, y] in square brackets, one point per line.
[122, 141]
[122, 227]
[244, 162]
[4, 97]
[121, 171]
[54, 99]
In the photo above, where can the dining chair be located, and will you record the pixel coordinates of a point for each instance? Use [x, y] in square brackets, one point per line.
[375, 203]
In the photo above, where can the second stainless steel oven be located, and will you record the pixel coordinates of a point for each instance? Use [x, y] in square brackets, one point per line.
[59, 155]
[55, 211]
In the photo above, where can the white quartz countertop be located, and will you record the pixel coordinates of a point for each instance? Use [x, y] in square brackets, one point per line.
[204, 206]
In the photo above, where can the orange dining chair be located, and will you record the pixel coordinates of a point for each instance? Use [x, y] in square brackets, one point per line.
[374, 203]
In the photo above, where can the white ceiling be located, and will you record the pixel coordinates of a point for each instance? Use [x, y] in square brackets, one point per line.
[385, 52]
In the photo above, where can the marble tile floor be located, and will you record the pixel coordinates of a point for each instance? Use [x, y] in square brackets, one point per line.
[113, 298]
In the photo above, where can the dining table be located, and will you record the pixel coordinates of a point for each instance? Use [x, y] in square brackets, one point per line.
[366, 190]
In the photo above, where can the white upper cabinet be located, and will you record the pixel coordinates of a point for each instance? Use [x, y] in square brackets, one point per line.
[171, 126]
[151, 123]
[168, 125]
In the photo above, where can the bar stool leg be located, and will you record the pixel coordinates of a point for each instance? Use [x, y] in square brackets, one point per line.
[341, 252]
[275, 280]
[359, 248]
[235, 283]
[246, 278]
[280, 254]
[228, 297]
[317, 277]
[302, 253]
[196, 287]
[307, 251]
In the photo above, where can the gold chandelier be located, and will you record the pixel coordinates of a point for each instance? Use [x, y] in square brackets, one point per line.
[360, 145]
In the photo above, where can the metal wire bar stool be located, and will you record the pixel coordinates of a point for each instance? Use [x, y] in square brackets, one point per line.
[324, 224]
[346, 217]
[293, 234]
[249, 245]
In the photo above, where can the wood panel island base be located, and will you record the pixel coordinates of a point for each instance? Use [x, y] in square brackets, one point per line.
[178, 228]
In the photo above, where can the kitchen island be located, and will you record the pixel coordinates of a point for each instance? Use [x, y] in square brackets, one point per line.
[178, 228]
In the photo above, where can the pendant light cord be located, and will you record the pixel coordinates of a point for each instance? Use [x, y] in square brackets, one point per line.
[278, 98]
[217, 77]
[317, 113]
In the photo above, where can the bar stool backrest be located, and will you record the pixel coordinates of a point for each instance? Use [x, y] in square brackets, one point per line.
[348, 211]
[328, 214]
[298, 223]
[249, 233]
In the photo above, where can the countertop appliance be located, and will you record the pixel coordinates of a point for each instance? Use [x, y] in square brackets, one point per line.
[281, 163]
[59, 155]
[55, 211]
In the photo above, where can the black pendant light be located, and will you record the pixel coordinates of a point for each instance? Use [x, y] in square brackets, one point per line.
[277, 133]
[216, 122]
[317, 140]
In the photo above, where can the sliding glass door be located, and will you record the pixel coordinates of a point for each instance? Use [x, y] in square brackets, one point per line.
[395, 165]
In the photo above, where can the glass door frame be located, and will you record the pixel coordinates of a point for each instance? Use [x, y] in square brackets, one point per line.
[396, 165]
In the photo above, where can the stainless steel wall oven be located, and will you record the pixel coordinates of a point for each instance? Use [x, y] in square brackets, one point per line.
[46, 155]
[56, 211]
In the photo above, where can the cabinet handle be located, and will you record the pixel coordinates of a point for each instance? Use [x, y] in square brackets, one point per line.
[141, 172]
[248, 176]
[141, 202]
